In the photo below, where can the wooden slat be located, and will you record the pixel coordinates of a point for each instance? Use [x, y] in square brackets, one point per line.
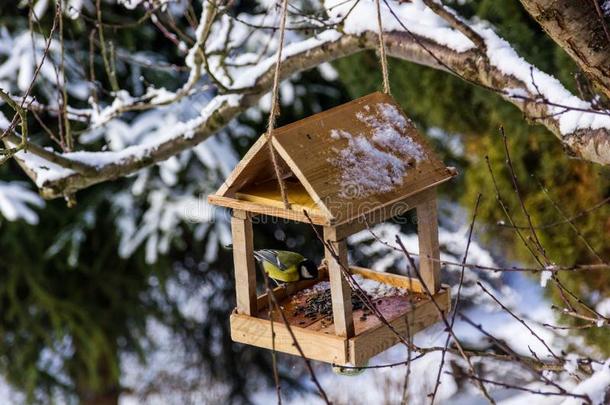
[252, 162]
[429, 251]
[243, 258]
[316, 346]
[390, 210]
[266, 210]
[408, 283]
[268, 193]
[308, 149]
[302, 177]
[341, 293]
[374, 341]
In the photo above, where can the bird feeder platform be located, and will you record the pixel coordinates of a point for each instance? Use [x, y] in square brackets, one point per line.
[407, 312]
[345, 170]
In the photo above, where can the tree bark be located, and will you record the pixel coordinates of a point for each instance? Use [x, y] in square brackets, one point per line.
[102, 389]
[111, 398]
[472, 65]
[577, 28]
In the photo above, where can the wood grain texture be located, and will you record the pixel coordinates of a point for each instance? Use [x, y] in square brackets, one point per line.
[316, 346]
[376, 340]
[243, 259]
[268, 193]
[341, 293]
[252, 162]
[429, 251]
[265, 209]
[390, 210]
[317, 335]
[306, 149]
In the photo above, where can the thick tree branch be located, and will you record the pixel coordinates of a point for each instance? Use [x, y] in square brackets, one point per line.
[53, 157]
[471, 65]
[576, 26]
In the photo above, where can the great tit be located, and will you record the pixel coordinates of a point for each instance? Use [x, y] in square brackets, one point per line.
[285, 266]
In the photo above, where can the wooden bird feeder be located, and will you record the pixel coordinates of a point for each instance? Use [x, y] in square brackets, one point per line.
[349, 168]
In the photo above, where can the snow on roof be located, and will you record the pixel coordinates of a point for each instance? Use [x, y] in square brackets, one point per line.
[378, 164]
[351, 159]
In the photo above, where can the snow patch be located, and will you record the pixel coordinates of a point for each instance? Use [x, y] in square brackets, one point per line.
[373, 288]
[603, 307]
[44, 171]
[571, 364]
[379, 164]
[502, 55]
[595, 387]
[545, 276]
[415, 15]
[15, 199]
[420, 20]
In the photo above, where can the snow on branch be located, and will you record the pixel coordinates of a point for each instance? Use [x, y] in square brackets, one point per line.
[238, 64]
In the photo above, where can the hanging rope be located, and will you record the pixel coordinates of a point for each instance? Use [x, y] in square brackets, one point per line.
[275, 107]
[382, 56]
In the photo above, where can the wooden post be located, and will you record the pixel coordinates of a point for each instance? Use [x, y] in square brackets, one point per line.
[429, 251]
[243, 258]
[340, 290]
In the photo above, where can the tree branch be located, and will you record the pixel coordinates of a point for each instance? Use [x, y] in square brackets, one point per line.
[575, 25]
[482, 68]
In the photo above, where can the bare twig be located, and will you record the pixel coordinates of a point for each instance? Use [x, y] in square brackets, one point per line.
[276, 376]
[457, 300]
[514, 355]
[457, 23]
[108, 64]
[312, 374]
[571, 223]
[518, 319]
[445, 321]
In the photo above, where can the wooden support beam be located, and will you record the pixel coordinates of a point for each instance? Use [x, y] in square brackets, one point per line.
[243, 259]
[341, 293]
[383, 213]
[429, 251]
[315, 345]
[272, 211]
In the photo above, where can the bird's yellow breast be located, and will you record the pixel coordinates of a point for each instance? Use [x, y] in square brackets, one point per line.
[291, 274]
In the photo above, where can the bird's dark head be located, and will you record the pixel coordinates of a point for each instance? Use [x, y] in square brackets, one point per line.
[308, 270]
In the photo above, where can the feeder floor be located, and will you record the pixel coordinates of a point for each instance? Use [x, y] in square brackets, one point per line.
[406, 311]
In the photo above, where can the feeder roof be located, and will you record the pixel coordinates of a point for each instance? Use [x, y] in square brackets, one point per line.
[337, 165]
